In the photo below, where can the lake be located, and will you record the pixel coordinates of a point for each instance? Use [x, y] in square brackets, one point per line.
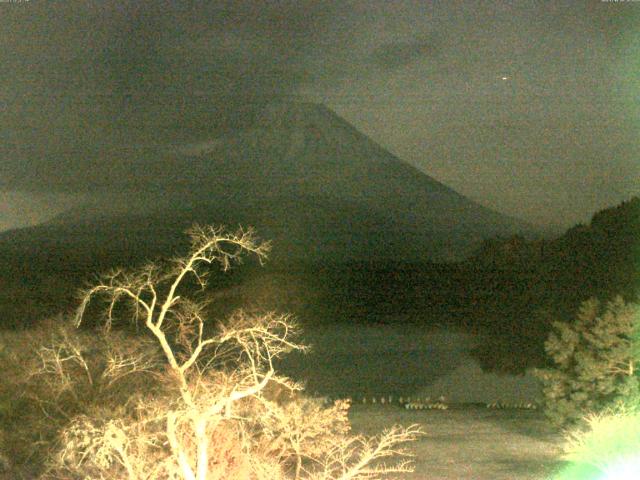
[364, 361]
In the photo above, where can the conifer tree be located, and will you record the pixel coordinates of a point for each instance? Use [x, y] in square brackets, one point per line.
[596, 360]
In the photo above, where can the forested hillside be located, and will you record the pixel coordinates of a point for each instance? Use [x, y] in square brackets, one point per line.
[528, 284]
[512, 288]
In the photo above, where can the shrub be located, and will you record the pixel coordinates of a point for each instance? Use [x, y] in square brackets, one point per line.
[187, 399]
[606, 448]
[53, 372]
[596, 361]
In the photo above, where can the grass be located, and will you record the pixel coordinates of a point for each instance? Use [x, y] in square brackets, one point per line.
[471, 443]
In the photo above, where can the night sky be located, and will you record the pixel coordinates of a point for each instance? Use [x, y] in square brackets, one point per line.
[531, 108]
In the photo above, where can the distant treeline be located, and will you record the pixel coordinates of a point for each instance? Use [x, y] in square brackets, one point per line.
[601, 259]
[512, 287]
[546, 280]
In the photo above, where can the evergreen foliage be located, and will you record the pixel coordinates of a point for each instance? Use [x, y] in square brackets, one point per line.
[596, 360]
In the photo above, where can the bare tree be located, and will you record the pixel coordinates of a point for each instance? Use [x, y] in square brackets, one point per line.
[213, 418]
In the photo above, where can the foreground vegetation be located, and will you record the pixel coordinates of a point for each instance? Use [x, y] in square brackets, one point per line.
[606, 448]
[139, 388]
[594, 390]
[596, 359]
[168, 395]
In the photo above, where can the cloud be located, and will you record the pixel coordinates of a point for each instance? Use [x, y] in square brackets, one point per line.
[395, 55]
[94, 94]
[89, 79]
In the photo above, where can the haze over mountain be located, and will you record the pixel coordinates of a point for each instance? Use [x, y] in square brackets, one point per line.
[306, 179]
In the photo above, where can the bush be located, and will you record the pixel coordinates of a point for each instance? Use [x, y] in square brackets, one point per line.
[607, 448]
[168, 395]
[596, 361]
[54, 372]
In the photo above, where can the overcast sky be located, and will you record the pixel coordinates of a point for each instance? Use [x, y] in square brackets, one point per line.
[532, 107]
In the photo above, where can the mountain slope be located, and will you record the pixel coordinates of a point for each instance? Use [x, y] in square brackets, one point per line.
[306, 179]
[306, 149]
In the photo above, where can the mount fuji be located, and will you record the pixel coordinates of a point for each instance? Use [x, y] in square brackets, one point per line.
[305, 178]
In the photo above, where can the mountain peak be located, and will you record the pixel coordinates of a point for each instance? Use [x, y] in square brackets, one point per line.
[317, 186]
[295, 113]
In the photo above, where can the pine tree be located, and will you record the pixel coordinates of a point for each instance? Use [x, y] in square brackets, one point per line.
[596, 360]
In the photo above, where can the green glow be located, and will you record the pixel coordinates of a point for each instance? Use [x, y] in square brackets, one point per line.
[626, 469]
[608, 449]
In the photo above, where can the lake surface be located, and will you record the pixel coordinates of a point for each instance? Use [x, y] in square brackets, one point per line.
[364, 361]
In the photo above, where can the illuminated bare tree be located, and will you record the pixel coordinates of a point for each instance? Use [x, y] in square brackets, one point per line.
[214, 418]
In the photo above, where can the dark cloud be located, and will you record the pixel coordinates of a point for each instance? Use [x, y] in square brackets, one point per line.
[392, 56]
[96, 93]
[83, 80]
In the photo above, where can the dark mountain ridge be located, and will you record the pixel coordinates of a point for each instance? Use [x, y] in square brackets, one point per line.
[307, 180]
[325, 195]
